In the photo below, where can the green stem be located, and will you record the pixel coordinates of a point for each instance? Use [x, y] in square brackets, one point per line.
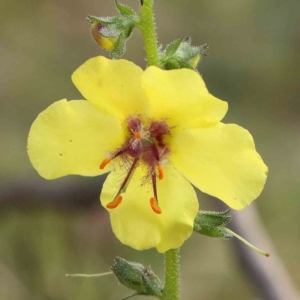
[171, 289]
[147, 27]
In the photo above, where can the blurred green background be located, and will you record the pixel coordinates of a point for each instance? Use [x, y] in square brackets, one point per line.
[49, 228]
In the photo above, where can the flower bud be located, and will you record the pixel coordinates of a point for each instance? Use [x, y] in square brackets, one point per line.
[107, 43]
[212, 223]
[129, 274]
[137, 277]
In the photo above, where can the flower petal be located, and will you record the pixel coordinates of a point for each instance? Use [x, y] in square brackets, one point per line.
[221, 161]
[112, 85]
[134, 222]
[72, 137]
[182, 97]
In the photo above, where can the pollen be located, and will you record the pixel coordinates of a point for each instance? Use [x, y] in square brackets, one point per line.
[138, 135]
[104, 163]
[161, 172]
[154, 205]
[115, 203]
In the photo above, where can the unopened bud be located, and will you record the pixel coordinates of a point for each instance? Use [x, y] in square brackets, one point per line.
[107, 43]
[129, 274]
[137, 277]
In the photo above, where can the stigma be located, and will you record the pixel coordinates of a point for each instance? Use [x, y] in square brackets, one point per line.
[144, 146]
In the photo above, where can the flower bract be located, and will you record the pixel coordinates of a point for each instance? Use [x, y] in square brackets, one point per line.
[156, 132]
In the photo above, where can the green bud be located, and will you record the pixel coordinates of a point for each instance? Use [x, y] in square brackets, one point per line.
[212, 223]
[112, 33]
[213, 218]
[137, 277]
[129, 274]
[181, 54]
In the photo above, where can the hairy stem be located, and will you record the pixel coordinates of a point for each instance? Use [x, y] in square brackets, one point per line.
[171, 289]
[147, 27]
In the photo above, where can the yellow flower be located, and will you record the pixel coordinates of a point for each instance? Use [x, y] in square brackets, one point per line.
[156, 131]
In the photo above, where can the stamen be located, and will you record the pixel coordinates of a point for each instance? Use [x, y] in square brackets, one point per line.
[118, 199]
[128, 177]
[160, 172]
[138, 135]
[154, 205]
[115, 203]
[153, 200]
[104, 163]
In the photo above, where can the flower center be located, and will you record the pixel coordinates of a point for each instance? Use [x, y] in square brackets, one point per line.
[144, 145]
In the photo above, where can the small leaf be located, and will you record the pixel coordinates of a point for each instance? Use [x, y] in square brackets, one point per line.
[124, 9]
[172, 64]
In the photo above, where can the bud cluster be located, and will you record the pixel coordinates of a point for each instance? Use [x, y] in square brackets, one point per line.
[112, 34]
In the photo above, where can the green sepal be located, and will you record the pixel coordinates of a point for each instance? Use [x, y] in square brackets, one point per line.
[215, 232]
[172, 48]
[120, 47]
[101, 20]
[137, 277]
[152, 283]
[213, 218]
[124, 9]
[212, 223]
[184, 64]
[172, 64]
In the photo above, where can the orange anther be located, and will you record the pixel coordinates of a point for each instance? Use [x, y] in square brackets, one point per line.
[160, 172]
[138, 135]
[155, 206]
[115, 203]
[104, 163]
